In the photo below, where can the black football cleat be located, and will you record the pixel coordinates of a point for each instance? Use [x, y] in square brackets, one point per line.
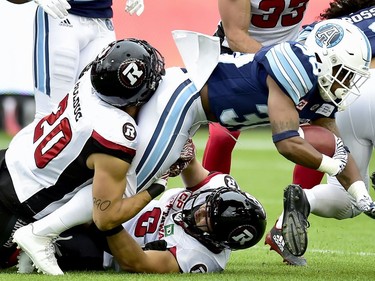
[295, 224]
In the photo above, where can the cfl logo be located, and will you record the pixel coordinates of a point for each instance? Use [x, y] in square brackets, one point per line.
[134, 72]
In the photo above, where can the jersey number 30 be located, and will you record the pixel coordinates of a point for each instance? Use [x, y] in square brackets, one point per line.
[56, 135]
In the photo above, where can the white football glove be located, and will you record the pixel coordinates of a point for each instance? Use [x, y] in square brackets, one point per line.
[336, 164]
[367, 206]
[55, 8]
[364, 202]
[341, 154]
[134, 6]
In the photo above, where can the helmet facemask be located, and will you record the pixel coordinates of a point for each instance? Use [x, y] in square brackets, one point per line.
[348, 81]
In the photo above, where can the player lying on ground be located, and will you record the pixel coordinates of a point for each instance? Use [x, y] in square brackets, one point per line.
[191, 229]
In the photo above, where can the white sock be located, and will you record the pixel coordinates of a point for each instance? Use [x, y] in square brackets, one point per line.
[76, 211]
[279, 223]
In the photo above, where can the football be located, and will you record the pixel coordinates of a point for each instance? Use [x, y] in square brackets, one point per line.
[320, 138]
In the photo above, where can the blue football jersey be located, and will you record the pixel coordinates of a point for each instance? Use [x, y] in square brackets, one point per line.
[238, 92]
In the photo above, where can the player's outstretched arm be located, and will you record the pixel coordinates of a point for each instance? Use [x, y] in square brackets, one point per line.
[132, 258]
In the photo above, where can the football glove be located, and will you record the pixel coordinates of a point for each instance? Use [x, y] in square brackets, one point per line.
[55, 8]
[341, 154]
[187, 154]
[367, 206]
[134, 6]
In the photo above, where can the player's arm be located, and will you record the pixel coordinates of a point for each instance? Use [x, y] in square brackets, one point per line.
[284, 121]
[194, 173]
[235, 16]
[110, 209]
[132, 258]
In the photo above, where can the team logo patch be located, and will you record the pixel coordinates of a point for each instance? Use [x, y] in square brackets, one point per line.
[199, 268]
[301, 104]
[129, 131]
[242, 235]
[230, 182]
[169, 230]
[329, 35]
[132, 73]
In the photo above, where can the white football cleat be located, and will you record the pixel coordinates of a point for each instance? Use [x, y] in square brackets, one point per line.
[39, 248]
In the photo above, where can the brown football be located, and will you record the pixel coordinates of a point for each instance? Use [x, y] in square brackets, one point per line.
[320, 138]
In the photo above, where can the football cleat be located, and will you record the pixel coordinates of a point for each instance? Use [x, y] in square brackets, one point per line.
[275, 240]
[40, 248]
[25, 264]
[295, 224]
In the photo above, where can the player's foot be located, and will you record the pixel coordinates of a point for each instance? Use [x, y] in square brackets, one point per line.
[295, 224]
[40, 249]
[275, 239]
[25, 264]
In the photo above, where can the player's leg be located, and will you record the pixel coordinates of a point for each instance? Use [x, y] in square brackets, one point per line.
[218, 152]
[40, 235]
[98, 33]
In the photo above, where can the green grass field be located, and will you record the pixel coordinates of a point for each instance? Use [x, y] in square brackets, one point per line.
[338, 250]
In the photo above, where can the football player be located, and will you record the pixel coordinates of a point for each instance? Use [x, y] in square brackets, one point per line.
[89, 139]
[330, 200]
[186, 230]
[246, 26]
[246, 90]
[68, 36]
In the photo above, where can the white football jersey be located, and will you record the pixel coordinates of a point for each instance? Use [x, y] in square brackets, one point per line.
[275, 21]
[159, 221]
[47, 159]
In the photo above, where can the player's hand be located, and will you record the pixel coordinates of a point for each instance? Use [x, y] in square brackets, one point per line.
[367, 206]
[55, 8]
[341, 155]
[187, 154]
[134, 6]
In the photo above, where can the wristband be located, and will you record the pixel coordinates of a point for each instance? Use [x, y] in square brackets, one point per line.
[156, 189]
[329, 166]
[113, 231]
[285, 135]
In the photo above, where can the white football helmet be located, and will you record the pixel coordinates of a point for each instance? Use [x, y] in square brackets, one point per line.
[343, 53]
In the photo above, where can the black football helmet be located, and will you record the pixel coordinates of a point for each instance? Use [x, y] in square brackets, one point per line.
[236, 219]
[127, 72]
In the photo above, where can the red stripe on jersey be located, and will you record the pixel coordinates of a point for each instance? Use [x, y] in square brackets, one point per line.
[111, 145]
[173, 250]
